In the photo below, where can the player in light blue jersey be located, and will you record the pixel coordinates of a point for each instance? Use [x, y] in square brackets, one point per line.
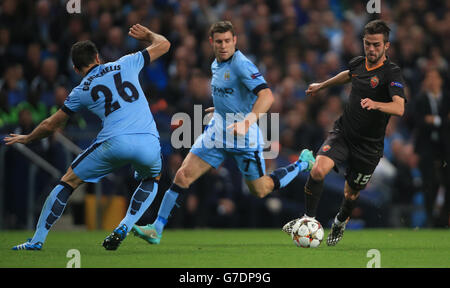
[129, 135]
[240, 95]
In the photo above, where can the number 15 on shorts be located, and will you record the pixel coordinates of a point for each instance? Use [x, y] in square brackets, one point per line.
[362, 179]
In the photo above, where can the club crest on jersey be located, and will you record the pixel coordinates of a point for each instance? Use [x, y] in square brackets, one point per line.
[255, 75]
[374, 81]
[326, 148]
[226, 76]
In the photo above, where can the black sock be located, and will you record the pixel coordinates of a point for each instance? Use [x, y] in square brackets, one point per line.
[313, 191]
[346, 209]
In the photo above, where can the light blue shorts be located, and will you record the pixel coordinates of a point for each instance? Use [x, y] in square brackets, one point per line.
[250, 162]
[142, 151]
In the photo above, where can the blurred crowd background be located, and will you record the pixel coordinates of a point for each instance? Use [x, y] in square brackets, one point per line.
[293, 43]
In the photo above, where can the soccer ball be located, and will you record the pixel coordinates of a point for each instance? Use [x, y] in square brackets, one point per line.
[307, 232]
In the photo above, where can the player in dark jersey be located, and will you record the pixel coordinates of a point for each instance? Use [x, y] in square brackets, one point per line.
[357, 136]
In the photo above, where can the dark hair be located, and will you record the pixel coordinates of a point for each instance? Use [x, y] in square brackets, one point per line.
[378, 27]
[83, 54]
[221, 27]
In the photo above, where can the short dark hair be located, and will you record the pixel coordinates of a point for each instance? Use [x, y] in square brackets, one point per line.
[221, 27]
[378, 27]
[83, 54]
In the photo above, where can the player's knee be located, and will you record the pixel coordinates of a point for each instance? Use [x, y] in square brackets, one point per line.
[351, 195]
[260, 193]
[71, 179]
[261, 190]
[318, 173]
[182, 178]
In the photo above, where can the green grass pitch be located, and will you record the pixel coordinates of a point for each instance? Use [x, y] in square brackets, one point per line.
[240, 248]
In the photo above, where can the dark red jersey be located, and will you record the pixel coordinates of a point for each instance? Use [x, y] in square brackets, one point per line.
[380, 84]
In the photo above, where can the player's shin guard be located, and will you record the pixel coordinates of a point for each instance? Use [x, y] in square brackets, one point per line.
[313, 191]
[172, 197]
[142, 199]
[53, 209]
[346, 209]
[283, 176]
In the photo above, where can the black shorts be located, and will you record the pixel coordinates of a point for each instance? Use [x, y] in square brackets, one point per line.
[360, 157]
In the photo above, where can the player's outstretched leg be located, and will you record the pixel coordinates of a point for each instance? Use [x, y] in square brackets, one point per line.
[314, 183]
[114, 239]
[28, 246]
[53, 209]
[336, 233]
[283, 176]
[341, 219]
[152, 233]
[141, 200]
[287, 228]
[307, 156]
[192, 168]
[148, 233]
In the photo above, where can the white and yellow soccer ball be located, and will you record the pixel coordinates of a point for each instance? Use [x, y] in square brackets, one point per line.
[307, 232]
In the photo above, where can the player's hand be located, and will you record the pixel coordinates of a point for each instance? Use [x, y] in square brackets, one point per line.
[209, 114]
[16, 138]
[239, 128]
[139, 32]
[369, 104]
[313, 88]
[210, 110]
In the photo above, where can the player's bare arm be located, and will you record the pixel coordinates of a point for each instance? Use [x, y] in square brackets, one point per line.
[262, 105]
[396, 107]
[339, 79]
[44, 129]
[159, 44]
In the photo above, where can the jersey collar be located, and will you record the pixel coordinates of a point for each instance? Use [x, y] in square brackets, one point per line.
[90, 69]
[229, 59]
[378, 66]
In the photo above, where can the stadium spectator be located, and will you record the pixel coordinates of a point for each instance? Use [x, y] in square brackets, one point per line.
[44, 84]
[432, 142]
[292, 42]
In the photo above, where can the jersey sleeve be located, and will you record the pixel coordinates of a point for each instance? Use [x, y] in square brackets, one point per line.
[396, 83]
[353, 64]
[250, 76]
[72, 103]
[136, 61]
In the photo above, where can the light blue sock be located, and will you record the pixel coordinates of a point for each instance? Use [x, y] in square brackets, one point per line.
[159, 224]
[142, 199]
[53, 209]
[302, 165]
[283, 176]
[167, 204]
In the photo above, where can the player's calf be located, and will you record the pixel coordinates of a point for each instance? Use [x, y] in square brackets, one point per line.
[71, 179]
[183, 178]
[261, 186]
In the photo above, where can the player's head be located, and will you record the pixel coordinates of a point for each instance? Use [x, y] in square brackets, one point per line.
[223, 40]
[376, 40]
[84, 54]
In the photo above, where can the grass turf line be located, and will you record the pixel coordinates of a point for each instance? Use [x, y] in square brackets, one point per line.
[241, 248]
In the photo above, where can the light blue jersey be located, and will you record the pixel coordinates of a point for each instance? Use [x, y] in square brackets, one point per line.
[113, 93]
[129, 135]
[234, 86]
